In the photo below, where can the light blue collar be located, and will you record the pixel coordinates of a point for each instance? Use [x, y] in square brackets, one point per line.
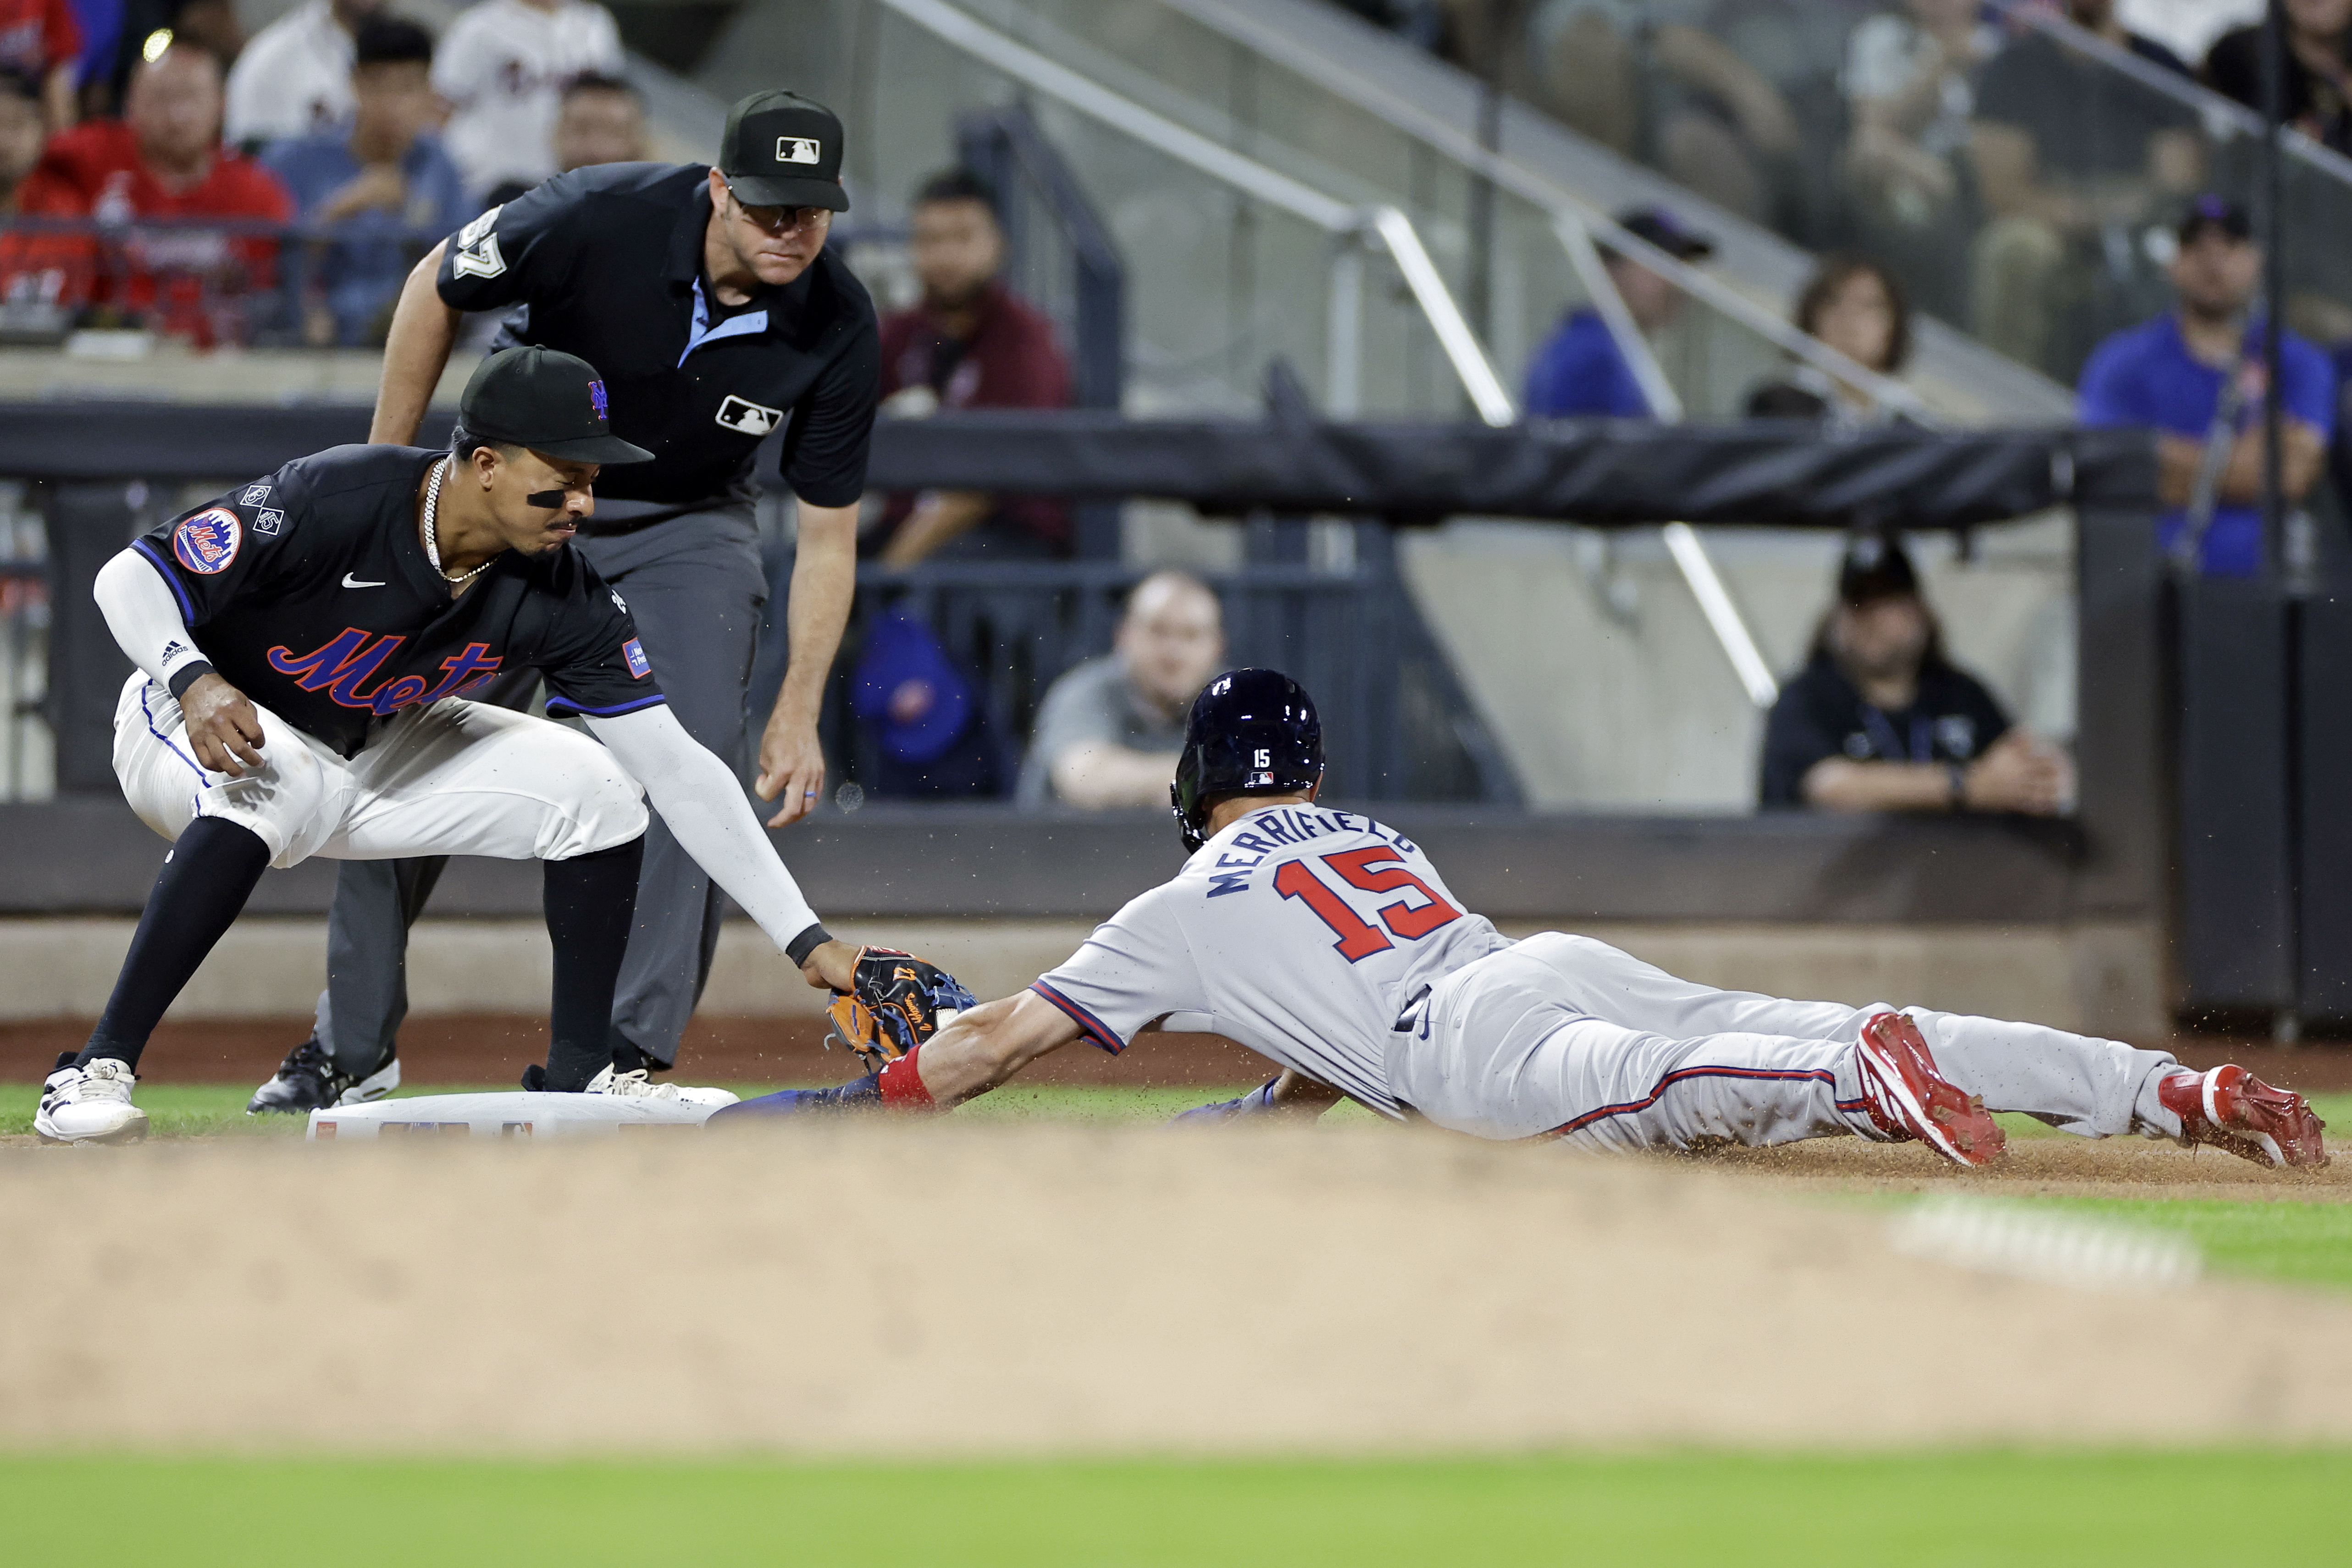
[732, 327]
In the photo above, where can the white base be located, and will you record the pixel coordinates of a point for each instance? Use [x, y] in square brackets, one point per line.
[514, 1114]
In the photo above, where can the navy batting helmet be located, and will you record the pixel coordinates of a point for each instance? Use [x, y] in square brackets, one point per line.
[1253, 731]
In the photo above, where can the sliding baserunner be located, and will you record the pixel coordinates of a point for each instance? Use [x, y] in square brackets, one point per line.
[304, 648]
[1327, 943]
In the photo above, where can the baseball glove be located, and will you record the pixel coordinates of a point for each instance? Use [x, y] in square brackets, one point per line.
[900, 1002]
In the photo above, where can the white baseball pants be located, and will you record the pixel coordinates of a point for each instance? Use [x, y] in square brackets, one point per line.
[1567, 1036]
[456, 778]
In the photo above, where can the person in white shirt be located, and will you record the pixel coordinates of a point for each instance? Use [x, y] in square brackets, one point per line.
[502, 67]
[295, 77]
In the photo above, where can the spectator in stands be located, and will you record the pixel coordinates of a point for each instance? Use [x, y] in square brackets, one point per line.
[36, 270]
[970, 342]
[1879, 719]
[295, 77]
[1857, 308]
[41, 39]
[1654, 78]
[1909, 80]
[165, 160]
[2318, 68]
[1109, 730]
[2171, 374]
[502, 67]
[601, 120]
[2072, 159]
[385, 186]
[1578, 370]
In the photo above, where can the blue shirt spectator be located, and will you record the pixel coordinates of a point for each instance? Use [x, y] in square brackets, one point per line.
[385, 189]
[2169, 374]
[1579, 369]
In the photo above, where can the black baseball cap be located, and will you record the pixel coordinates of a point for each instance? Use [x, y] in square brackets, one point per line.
[1666, 231]
[547, 401]
[2209, 211]
[1876, 567]
[781, 149]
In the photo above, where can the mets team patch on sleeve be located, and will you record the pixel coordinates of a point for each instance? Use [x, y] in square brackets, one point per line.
[639, 665]
[207, 541]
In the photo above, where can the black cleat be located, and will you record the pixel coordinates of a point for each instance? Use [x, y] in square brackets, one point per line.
[308, 1081]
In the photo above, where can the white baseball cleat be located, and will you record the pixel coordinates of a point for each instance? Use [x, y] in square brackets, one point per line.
[636, 1085]
[90, 1105]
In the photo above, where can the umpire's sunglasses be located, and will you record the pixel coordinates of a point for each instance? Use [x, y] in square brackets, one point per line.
[780, 221]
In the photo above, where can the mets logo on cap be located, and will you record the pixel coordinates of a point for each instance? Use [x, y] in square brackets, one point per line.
[207, 541]
[596, 397]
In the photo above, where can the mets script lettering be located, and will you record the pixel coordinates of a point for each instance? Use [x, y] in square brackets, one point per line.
[352, 661]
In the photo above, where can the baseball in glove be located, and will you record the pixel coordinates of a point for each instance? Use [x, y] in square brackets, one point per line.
[900, 1002]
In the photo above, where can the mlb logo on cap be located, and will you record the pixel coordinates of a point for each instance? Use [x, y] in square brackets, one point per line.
[796, 148]
[596, 397]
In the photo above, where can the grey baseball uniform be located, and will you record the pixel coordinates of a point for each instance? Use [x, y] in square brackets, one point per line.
[1328, 943]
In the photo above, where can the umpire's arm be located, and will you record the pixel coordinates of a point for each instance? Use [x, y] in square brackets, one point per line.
[415, 352]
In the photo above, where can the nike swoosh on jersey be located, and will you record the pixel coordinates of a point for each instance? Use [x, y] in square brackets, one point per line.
[351, 582]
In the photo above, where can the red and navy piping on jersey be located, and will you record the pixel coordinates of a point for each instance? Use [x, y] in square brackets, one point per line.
[1095, 1030]
[1817, 1075]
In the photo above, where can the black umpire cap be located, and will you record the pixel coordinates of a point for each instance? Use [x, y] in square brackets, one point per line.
[546, 400]
[781, 149]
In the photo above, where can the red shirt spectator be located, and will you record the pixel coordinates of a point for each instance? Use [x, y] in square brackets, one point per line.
[36, 270]
[41, 39]
[971, 343]
[163, 160]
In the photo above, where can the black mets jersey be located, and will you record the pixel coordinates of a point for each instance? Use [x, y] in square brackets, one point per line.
[310, 592]
[609, 261]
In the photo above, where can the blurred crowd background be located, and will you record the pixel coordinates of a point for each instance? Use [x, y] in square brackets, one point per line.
[1980, 211]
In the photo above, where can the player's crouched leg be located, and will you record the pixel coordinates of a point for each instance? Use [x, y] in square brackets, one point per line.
[293, 803]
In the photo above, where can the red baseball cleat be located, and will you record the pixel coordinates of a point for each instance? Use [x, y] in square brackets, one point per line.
[2232, 1109]
[1906, 1094]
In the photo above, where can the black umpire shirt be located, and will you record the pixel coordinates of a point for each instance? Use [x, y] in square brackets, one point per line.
[1952, 719]
[608, 261]
[310, 592]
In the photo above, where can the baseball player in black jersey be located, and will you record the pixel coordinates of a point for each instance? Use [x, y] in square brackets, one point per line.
[305, 644]
[707, 298]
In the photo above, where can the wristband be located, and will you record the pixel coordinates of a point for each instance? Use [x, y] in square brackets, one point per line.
[187, 675]
[901, 1083]
[808, 942]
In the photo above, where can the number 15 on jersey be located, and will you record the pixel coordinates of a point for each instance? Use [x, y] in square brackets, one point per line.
[1362, 869]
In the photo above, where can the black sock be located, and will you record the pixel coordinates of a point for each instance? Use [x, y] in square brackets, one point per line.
[591, 899]
[626, 1058]
[205, 881]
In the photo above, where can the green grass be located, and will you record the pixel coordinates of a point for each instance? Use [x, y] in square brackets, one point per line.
[2308, 1243]
[2015, 1509]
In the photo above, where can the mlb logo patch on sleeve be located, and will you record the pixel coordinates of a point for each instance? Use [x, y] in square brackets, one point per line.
[207, 541]
[639, 665]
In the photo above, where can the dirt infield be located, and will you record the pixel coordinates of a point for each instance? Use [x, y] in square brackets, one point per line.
[972, 1290]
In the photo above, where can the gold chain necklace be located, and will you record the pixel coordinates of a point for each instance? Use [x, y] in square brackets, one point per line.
[432, 548]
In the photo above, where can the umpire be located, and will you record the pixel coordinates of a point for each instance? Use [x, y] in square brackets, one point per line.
[708, 301]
